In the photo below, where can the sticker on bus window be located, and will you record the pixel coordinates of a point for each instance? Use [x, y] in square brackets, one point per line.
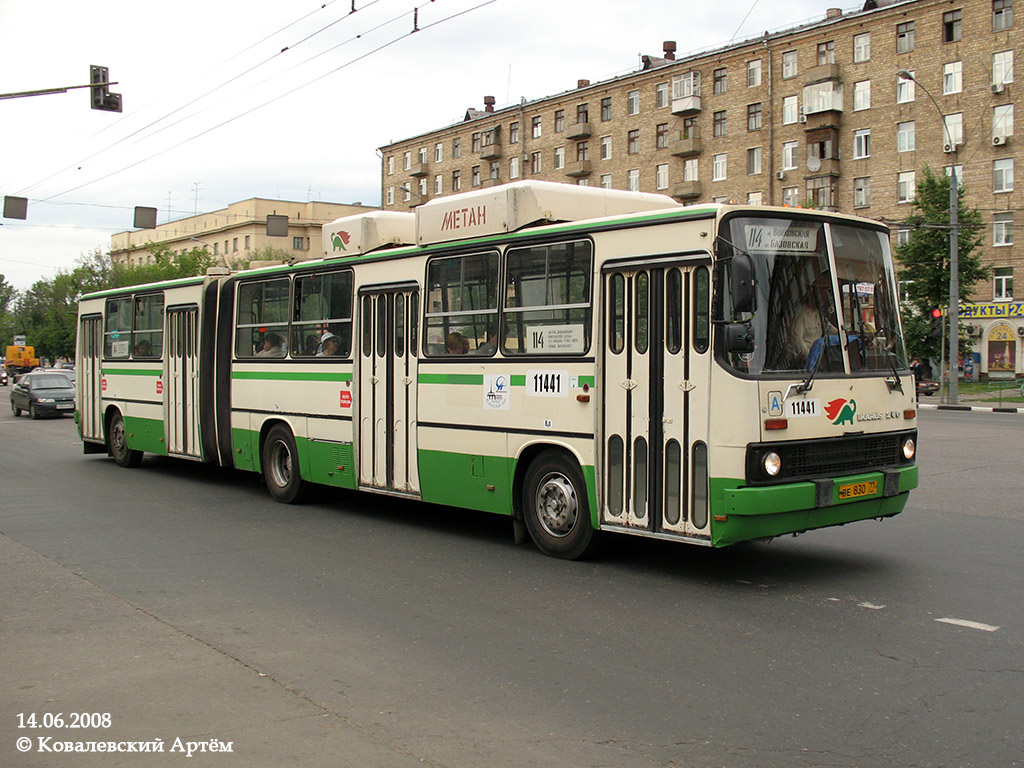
[119, 349]
[547, 383]
[768, 238]
[554, 339]
[496, 392]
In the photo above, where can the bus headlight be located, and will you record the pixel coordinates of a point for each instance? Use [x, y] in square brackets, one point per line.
[909, 448]
[773, 464]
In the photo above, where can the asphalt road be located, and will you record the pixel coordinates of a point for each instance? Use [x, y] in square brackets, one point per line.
[361, 631]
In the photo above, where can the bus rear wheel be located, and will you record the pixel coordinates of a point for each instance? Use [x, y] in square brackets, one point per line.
[117, 444]
[280, 460]
[555, 507]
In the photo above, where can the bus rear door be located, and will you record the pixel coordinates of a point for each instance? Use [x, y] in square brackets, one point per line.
[181, 400]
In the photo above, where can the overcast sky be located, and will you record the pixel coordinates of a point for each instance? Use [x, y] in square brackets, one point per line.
[215, 112]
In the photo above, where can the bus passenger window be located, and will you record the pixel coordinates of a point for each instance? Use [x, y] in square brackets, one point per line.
[147, 333]
[261, 322]
[322, 309]
[461, 304]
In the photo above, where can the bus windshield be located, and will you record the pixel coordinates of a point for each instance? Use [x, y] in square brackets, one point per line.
[824, 298]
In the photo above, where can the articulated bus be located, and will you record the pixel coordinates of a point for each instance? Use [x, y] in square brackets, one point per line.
[582, 360]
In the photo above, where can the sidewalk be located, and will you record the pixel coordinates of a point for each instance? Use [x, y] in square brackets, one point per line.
[983, 402]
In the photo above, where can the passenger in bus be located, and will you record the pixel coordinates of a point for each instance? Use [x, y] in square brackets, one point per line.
[143, 349]
[456, 344]
[273, 346]
[490, 346]
[329, 347]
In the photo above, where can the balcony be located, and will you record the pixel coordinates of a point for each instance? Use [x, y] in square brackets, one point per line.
[686, 105]
[818, 166]
[578, 131]
[821, 73]
[686, 190]
[490, 183]
[419, 169]
[490, 152]
[686, 143]
[578, 169]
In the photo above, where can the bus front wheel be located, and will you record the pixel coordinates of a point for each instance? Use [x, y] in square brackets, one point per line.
[280, 461]
[555, 507]
[117, 444]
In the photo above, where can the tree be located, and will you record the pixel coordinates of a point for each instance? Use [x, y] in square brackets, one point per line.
[924, 259]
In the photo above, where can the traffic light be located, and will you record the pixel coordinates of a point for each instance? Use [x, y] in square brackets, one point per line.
[936, 328]
[99, 90]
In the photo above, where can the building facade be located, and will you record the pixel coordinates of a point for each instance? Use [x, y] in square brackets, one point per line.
[238, 233]
[816, 115]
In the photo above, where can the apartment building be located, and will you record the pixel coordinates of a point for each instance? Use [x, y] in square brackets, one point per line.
[815, 115]
[238, 233]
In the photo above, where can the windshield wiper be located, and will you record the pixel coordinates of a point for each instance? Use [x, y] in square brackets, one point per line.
[894, 382]
[805, 386]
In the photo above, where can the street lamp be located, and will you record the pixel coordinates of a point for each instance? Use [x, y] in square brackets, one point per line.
[954, 251]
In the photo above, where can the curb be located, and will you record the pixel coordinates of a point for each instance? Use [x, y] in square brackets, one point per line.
[976, 408]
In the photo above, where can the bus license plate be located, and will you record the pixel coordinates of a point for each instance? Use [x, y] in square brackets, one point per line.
[855, 490]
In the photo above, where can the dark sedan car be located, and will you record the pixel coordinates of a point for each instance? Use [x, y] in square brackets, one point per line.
[43, 394]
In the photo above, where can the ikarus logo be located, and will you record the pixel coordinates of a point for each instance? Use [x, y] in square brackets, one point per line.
[841, 411]
[340, 239]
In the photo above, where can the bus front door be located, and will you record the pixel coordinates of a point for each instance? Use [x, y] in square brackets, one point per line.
[387, 388]
[90, 378]
[181, 396]
[656, 395]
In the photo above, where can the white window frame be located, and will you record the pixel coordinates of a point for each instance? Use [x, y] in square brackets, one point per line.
[1002, 175]
[862, 47]
[789, 65]
[661, 176]
[906, 187]
[633, 179]
[513, 167]
[791, 196]
[906, 136]
[606, 181]
[754, 158]
[952, 77]
[1002, 120]
[905, 91]
[862, 143]
[439, 152]
[691, 169]
[438, 184]
[790, 109]
[861, 95]
[661, 95]
[606, 147]
[390, 196]
[790, 155]
[719, 167]
[559, 158]
[1002, 228]
[753, 73]
[1002, 285]
[633, 102]
[755, 198]
[1002, 68]
[954, 128]
[862, 192]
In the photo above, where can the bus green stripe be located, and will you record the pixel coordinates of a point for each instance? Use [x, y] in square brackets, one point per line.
[292, 375]
[451, 378]
[132, 371]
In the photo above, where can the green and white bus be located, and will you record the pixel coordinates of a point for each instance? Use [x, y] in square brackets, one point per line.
[582, 360]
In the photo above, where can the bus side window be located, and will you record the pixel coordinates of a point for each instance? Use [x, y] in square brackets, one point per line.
[148, 333]
[117, 329]
[461, 303]
[262, 326]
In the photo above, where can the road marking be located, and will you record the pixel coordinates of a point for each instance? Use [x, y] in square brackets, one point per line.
[969, 624]
[871, 606]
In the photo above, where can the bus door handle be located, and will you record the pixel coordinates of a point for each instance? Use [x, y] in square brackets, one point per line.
[687, 386]
[407, 381]
[629, 384]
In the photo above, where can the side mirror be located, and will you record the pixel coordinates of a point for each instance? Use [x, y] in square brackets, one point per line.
[741, 271]
[739, 337]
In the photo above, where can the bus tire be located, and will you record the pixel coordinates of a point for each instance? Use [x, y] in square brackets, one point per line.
[117, 443]
[280, 462]
[555, 507]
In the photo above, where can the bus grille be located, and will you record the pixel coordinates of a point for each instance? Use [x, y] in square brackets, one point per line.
[828, 457]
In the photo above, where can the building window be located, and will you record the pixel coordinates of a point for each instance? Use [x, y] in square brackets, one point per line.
[1002, 68]
[475, 176]
[861, 95]
[754, 117]
[247, 236]
[862, 144]
[790, 154]
[905, 37]
[559, 158]
[790, 109]
[1002, 15]
[1002, 228]
[1002, 283]
[718, 126]
[904, 90]
[827, 52]
[476, 142]
[438, 184]
[862, 192]
[754, 198]
[906, 186]
[422, 156]
[959, 174]
[513, 134]
[633, 142]
[821, 191]
[718, 76]
[438, 152]
[633, 103]
[862, 47]
[536, 129]
[582, 114]
[583, 182]
[753, 73]
[661, 176]
[582, 151]
[661, 95]
[1002, 175]
[559, 120]
[423, 186]
[391, 164]
[902, 238]
[690, 169]
[686, 85]
[952, 77]
[951, 21]
[606, 181]
[718, 167]
[791, 196]
[954, 129]
[406, 160]
[298, 244]
[456, 148]
[535, 162]
[906, 140]
[788, 65]
[234, 245]
[661, 136]
[495, 170]
[606, 147]
[753, 161]
[606, 109]
[1002, 120]
[456, 181]
[633, 180]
